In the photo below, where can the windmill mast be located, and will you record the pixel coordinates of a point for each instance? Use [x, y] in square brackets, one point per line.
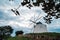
[35, 21]
[34, 24]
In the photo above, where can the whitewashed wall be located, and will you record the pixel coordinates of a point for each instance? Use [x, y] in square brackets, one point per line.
[39, 28]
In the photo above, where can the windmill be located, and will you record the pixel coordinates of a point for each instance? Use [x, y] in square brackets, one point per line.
[38, 26]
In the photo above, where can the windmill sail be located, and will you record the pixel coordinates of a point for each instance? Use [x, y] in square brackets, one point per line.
[38, 26]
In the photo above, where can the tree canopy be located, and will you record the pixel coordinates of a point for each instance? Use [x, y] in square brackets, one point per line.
[51, 7]
[19, 32]
[5, 32]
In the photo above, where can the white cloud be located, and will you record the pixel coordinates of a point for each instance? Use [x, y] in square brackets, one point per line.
[22, 20]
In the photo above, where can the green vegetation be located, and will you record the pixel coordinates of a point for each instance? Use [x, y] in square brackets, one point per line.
[48, 34]
[19, 38]
[5, 32]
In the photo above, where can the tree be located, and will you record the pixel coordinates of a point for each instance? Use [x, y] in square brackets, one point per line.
[5, 32]
[50, 7]
[19, 32]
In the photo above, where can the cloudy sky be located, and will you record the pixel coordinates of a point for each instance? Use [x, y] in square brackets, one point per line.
[22, 22]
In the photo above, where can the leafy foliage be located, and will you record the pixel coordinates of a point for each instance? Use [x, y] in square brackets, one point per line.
[52, 9]
[5, 32]
[49, 6]
[19, 32]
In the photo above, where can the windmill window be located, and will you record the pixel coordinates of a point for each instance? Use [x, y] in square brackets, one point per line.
[38, 36]
[42, 36]
[54, 39]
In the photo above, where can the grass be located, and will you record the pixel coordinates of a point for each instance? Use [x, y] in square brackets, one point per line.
[19, 38]
[46, 33]
[25, 38]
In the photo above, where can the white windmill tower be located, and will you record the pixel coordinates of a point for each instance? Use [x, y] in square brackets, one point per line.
[38, 26]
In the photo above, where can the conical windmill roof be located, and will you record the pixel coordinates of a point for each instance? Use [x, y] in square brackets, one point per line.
[38, 23]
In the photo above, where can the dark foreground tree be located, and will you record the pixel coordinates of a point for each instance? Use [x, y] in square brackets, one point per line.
[5, 32]
[50, 7]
